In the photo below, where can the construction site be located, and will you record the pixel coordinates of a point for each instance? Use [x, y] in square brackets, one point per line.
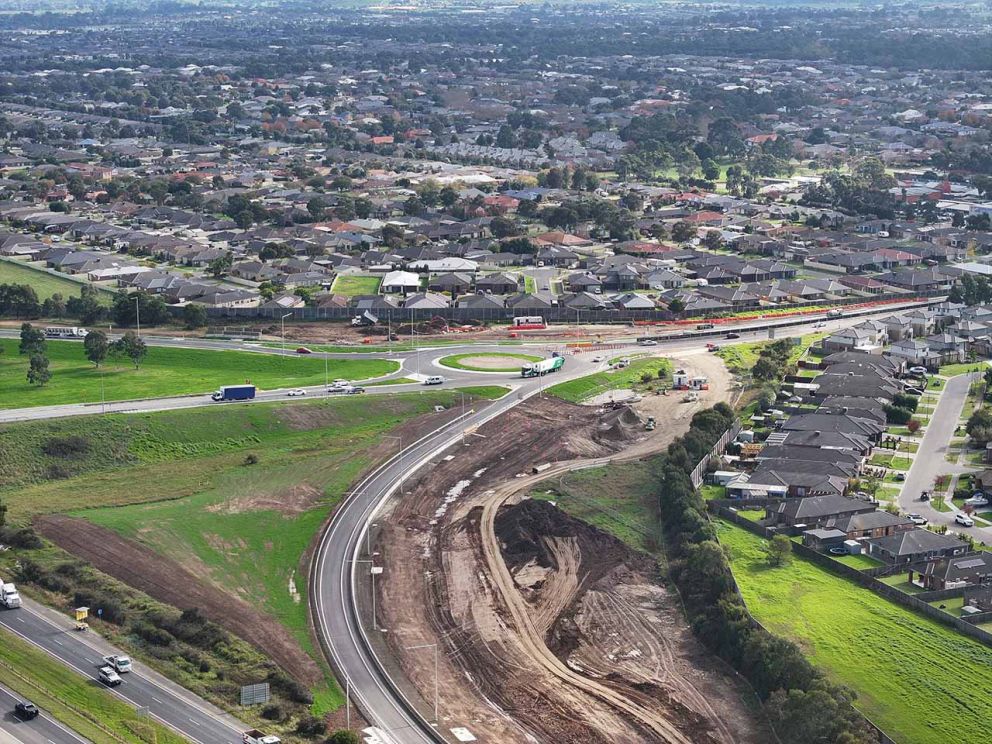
[547, 629]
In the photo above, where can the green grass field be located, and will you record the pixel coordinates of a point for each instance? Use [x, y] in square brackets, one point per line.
[79, 703]
[741, 358]
[910, 673]
[43, 283]
[953, 370]
[513, 361]
[583, 388]
[352, 284]
[165, 371]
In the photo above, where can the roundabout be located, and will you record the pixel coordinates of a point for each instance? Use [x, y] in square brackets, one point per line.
[487, 361]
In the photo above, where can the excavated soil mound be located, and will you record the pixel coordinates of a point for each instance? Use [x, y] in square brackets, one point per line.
[619, 425]
[529, 530]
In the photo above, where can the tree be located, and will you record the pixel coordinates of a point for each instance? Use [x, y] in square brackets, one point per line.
[38, 372]
[32, 340]
[502, 227]
[87, 306]
[683, 232]
[96, 346]
[413, 206]
[220, 266]
[448, 197]
[677, 306]
[518, 246]
[194, 316]
[711, 171]
[131, 346]
[779, 550]
[3, 514]
[316, 208]
[765, 369]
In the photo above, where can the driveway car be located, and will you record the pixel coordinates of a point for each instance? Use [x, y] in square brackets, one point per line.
[964, 520]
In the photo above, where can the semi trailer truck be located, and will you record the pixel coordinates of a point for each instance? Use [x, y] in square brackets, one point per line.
[543, 367]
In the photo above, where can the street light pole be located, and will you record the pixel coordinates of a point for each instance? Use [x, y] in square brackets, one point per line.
[282, 322]
[137, 312]
[437, 720]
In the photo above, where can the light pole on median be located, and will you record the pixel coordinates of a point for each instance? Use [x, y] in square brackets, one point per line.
[372, 572]
[437, 720]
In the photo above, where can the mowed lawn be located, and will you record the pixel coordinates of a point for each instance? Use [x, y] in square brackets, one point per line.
[43, 283]
[921, 682]
[351, 285]
[165, 371]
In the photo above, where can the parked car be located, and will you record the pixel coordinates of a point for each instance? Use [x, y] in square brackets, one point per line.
[900, 477]
[964, 520]
[25, 710]
[296, 392]
[913, 391]
[917, 370]
[917, 519]
[978, 499]
[732, 335]
[303, 350]
[109, 677]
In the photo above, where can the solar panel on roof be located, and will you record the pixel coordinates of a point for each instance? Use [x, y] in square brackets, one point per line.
[970, 563]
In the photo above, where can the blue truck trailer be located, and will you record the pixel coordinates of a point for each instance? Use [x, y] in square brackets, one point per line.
[234, 392]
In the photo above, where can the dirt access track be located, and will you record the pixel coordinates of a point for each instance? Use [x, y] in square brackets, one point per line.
[549, 630]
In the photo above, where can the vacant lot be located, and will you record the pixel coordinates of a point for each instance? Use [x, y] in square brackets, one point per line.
[741, 358]
[913, 676]
[350, 285]
[164, 372]
[43, 283]
[641, 372]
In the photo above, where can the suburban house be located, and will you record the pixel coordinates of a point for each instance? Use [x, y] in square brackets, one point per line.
[914, 546]
[948, 573]
[815, 511]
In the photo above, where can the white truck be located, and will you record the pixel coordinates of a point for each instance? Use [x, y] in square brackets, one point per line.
[120, 664]
[9, 597]
[257, 737]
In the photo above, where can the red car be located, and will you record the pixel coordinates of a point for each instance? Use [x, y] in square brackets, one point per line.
[303, 350]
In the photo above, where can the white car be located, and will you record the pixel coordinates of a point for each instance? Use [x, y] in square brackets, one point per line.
[296, 392]
[977, 500]
[918, 370]
[964, 520]
[109, 677]
[342, 383]
[649, 342]
[597, 359]
[917, 519]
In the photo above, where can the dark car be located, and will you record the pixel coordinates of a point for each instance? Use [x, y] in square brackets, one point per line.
[355, 390]
[25, 710]
[732, 335]
[303, 350]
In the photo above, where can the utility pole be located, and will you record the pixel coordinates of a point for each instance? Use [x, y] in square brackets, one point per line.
[137, 312]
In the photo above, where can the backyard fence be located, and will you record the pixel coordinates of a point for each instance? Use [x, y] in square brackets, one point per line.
[700, 470]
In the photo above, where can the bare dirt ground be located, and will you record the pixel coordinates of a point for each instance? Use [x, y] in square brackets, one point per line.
[169, 582]
[537, 657]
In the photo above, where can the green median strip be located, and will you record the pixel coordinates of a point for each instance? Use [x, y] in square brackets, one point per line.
[79, 703]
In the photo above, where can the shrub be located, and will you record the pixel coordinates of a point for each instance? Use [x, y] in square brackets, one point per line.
[311, 726]
[897, 415]
[913, 425]
[155, 636]
[66, 447]
[24, 538]
[251, 459]
[104, 606]
[273, 712]
[343, 736]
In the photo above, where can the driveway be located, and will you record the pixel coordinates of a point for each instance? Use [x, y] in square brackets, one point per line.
[931, 460]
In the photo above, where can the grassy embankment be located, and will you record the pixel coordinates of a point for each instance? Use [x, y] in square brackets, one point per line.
[641, 375]
[908, 671]
[179, 482]
[45, 284]
[165, 371]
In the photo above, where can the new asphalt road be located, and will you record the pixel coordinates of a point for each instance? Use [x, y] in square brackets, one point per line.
[148, 691]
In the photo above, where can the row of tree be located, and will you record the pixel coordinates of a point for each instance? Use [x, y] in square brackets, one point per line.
[800, 703]
[96, 346]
